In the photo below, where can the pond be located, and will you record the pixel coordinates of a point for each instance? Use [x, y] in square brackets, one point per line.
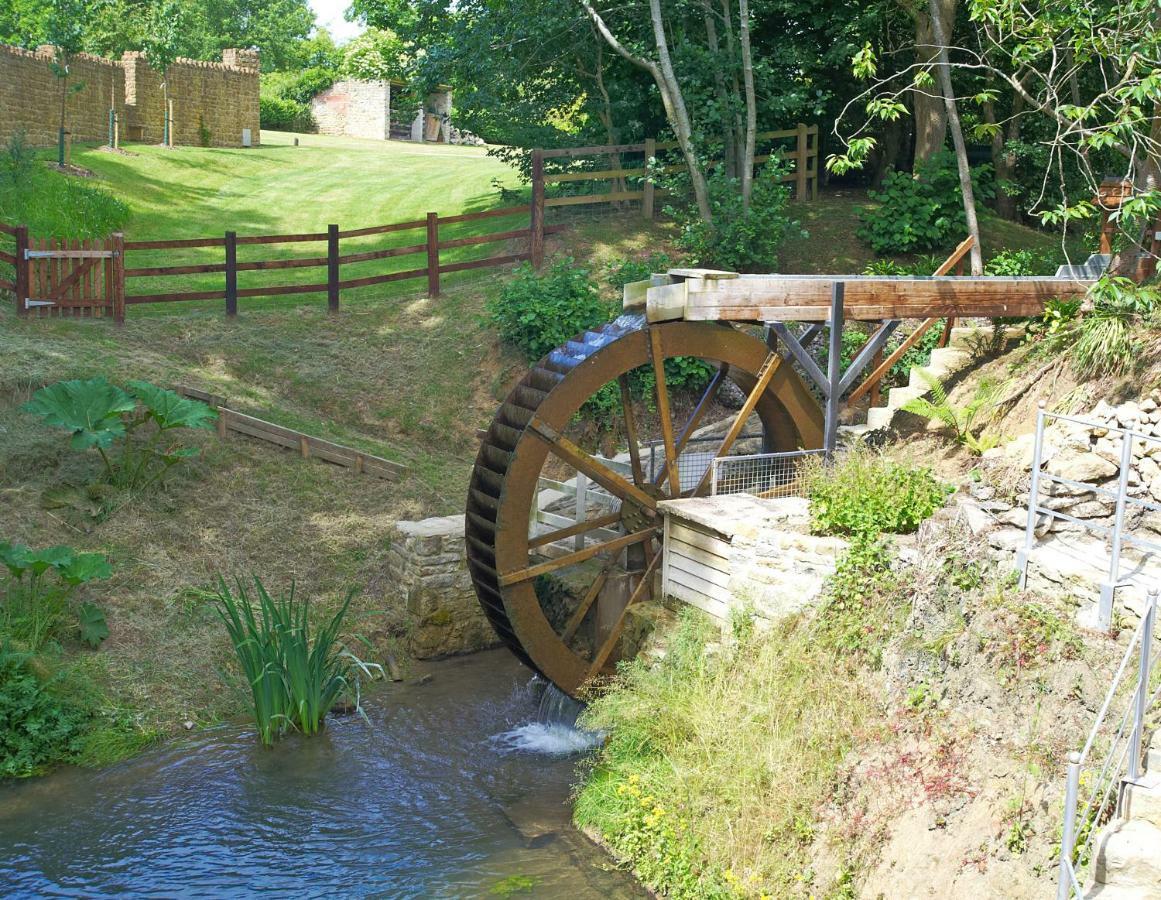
[454, 790]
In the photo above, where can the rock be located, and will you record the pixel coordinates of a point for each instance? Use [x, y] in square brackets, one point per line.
[977, 519]
[1155, 489]
[1077, 466]
[993, 453]
[188, 725]
[1148, 405]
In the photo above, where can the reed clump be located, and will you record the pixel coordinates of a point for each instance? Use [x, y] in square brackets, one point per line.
[294, 677]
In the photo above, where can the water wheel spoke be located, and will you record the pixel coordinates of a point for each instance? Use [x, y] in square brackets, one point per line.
[615, 634]
[586, 603]
[631, 430]
[765, 374]
[696, 416]
[583, 462]
[658, 355]
[573, 530]
[569, 559]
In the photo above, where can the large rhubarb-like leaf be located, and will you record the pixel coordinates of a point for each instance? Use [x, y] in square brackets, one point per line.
[170, 409]
[90, 409]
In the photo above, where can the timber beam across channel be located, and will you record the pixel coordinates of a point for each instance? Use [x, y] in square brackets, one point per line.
[713, 296]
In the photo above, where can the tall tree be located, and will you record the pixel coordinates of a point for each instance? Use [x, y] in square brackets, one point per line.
[65, 30]
[162, 46]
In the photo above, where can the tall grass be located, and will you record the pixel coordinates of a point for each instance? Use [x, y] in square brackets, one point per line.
[294, 679]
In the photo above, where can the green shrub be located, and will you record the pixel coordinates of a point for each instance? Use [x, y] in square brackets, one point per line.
[38, 588]
[920, 213]
[36, 728]
[864, 493]
[960, 421]
[737, 241]
[284, 97]
[1108, 339]
[623, 271]
[537, 313]
[1016, 263]
[284, 114]
[294, 678]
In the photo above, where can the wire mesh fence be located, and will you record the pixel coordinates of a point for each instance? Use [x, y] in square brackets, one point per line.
[761, 474]
[694, 461]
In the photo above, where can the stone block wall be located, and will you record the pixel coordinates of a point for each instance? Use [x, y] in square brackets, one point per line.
[30, 96]
[428, 564]
[354, 108]
[221, 96]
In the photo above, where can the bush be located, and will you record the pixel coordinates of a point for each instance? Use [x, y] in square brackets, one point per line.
[537, 313]
[36, 728]
[39, 586]
[865, 494]
[736, 241]
[623, 271]
[284, 98]
[1016, 263]
[1107, 343]
[282, 114]
[920, 213]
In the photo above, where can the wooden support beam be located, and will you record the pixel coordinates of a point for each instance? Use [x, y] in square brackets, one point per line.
[607, 648]
[573, 530]
[631, 430]
[570, 559]
[658, 356]
[582, 462]
[586, 603]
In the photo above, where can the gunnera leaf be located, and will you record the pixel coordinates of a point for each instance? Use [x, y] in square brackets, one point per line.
[92, 624]
[170, 409]
[90, 409]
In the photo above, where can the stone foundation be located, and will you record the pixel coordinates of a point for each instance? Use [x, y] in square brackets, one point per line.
[428, 564]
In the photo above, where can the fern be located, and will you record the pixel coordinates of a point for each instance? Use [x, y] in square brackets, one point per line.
[960, 421]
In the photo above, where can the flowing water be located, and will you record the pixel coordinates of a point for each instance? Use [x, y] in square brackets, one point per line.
[458, 788]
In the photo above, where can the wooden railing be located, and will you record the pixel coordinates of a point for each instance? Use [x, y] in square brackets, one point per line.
[151, 280]
[636, 183]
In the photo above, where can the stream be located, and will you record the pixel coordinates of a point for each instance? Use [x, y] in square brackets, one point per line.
[459, 787]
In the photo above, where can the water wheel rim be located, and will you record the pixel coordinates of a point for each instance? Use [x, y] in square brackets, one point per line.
[513, 455]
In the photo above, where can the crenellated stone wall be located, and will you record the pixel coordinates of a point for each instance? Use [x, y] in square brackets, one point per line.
[30, 96]
[428, 565]
[213, 102]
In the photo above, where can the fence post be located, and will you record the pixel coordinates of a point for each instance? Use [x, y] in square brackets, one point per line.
[580, 507]
[801, 164]
[22, 270]
[118, 285]
[1141, 701]
[647, 196]
[1108, 589]
[231, 274]
[1068, 834]
[332, 268]
[1033, 499]
[536, 251]
[433, 254]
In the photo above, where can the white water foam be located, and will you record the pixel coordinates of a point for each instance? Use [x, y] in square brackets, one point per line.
[547, 739]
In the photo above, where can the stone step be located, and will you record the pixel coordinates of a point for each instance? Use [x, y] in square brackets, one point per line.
[898, 396]
[1128, 857]
[950, 359]
[1153, 761]
[1118, 892]
[1142, 803]
[880, 417]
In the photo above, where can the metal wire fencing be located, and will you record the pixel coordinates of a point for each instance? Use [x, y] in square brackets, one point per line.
[761, 474]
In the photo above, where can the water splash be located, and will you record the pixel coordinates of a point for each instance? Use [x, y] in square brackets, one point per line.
[554, 732]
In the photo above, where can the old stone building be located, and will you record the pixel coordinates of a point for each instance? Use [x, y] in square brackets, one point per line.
[215, 104]
[364, 109]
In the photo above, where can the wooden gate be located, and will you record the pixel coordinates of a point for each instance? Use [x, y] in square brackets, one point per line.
[74, 278]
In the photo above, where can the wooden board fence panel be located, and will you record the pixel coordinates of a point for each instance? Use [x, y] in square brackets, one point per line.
[307, 446]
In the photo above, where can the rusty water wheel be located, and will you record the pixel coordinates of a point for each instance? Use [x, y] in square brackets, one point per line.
[545, 608]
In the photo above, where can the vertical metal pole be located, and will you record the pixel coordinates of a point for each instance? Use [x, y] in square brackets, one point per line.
[1105, 611]
[834, 371]
[1033, 498]
[714, 477]
[647, 188]
[1068, 835]
[1141, 702]
[582, 487]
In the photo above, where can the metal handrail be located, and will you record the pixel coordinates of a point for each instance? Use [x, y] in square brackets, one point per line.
[1116, 533]
[1126, 752]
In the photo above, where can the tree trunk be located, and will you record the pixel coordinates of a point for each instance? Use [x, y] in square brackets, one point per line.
[678, 114]
[929, 108]
[731, 52]
[751, 104]
[965, 175]
[1003, 159]
[887, 152]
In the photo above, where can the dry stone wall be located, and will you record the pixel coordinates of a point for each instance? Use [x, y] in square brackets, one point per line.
[354, 108]
[213, 102]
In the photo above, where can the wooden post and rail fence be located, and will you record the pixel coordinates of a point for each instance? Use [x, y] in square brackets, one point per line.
[101, 277]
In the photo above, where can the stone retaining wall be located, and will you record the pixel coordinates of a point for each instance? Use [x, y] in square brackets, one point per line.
[427, 563]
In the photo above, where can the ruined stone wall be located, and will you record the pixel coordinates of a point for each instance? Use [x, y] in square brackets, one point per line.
[30, 96]
[222, 97]
[354, 108]
[212, 102]
[428, 565]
